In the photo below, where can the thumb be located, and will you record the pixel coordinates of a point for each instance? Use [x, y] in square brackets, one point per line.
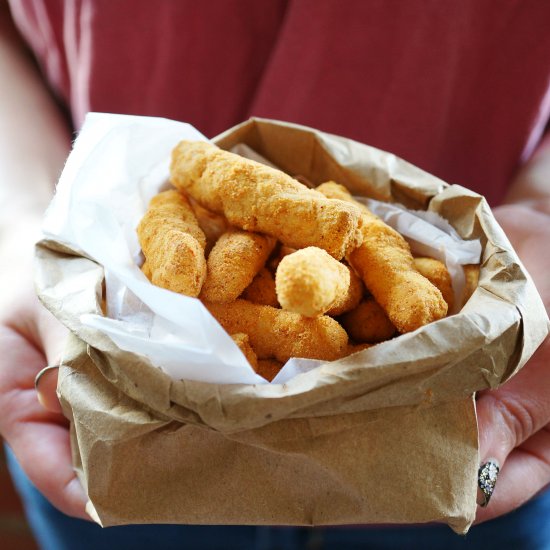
[53, 336]
[511, 414]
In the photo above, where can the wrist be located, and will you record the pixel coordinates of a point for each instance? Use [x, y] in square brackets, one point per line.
[23, 228]
[18, 236]
[537, 204]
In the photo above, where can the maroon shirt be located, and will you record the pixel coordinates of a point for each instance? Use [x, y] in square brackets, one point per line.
[460, 88]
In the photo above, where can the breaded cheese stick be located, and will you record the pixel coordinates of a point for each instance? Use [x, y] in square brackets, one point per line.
[310, 282]
[269, 368]
[173, 244]
[436, 272]
[146, 270]
[169, 210]
[243, 341]
[368, 323]
[279, 334]
[233, 263]
[471, 273]
[385, 264]
[212, 225]
[352, 298]
[278, 256]
[262, 289]
[258, 198]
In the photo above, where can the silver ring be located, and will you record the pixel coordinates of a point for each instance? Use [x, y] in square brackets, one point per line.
[486, 479]
[42, 373]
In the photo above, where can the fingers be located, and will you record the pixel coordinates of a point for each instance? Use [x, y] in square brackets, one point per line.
[50, 467]
[526, 473]
[509, 415]
[39, 438]
[511, 420]
[43, 451]
[52, 335]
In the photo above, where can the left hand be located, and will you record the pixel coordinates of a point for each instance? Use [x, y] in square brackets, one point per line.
[31, 422]
[514, 420]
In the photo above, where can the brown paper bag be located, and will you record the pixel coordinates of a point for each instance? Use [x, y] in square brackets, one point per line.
[384, 436]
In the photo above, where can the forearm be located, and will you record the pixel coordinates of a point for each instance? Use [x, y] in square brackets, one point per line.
[34, 142]
[525, 217]
[531, 186]
[34, 137]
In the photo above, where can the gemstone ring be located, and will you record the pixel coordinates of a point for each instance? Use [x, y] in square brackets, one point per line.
[486, 480]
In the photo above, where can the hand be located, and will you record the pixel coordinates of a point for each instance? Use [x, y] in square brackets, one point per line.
[514, 420]
[30, 339]
[34, 140]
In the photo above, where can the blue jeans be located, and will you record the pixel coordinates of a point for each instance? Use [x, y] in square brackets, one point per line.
[525, 528]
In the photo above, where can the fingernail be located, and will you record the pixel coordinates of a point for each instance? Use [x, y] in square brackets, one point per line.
[486, 480]
[42, 373]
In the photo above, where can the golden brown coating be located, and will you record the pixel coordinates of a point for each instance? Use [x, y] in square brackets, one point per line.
[368, 323]
[146, 270]
[333, 190]
[282, 251]
[233, 263]
[436, 272]
[243, 341]
[262, 289]
[258, 198]
[173, 244]
[169, 210]
[269, 368]
[353, 296]
[471, 273]
[385, 264]
[279, 334]
[213, 226]
[310, 282]
[407, 297]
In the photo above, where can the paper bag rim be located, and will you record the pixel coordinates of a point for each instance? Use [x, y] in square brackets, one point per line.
[230, 407]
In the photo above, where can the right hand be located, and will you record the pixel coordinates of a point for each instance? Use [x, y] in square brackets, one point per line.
[38, 434]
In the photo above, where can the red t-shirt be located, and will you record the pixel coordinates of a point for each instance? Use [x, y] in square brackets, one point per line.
[459, 88]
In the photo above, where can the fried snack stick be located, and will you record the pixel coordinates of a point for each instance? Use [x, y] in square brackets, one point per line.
[243, 341]
[311, 282]
[436, 272]
[269, 368]
[262, 289]
[274, 262]
[173, 244]
[279, 334]
[212, 225]
[233, 263]
[353, 295]
[471, 272]
[385, 264]
[146, 270]
[258, 198]
[368, 323]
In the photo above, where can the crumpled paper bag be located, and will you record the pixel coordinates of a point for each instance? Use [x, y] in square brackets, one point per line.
[385, 435]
